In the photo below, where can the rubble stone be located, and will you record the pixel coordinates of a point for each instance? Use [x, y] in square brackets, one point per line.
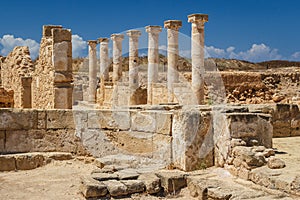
[151, 181]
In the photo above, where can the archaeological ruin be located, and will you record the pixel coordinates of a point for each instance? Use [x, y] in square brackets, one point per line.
[193, 116]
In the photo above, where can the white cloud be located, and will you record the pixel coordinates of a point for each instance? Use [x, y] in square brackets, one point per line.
[79, 46]
[257, 53]
[8, 42]
[296, 56]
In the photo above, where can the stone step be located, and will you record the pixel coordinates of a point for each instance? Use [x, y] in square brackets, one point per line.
[223, 186]
[27, 161]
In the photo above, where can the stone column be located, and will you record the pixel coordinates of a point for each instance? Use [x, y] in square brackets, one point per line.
[104, 59]
[133, 64]
[153, 58]
[197, 50]
[92, 71]
[117, 56]
[173, 52]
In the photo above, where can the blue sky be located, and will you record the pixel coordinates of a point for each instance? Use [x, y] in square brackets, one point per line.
[253, 30]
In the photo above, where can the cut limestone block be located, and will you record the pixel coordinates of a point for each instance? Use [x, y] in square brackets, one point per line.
[91, 188]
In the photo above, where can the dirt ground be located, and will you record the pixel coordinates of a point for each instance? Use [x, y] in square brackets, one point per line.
[55, 181]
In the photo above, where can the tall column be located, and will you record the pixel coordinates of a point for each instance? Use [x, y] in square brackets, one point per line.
[133, 64]
[197, 49]
[117, 56]
[92, 71]
[153, 58]
[173, 52]
[104, 59]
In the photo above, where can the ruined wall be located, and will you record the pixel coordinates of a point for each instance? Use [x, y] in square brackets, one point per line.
[6, 98]
[29, 130]
[52, 77]
[188, 138]
[16, 72]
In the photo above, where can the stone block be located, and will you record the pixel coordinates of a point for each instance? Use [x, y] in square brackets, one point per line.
[60, 35]
[63, 77]
[282, 112]
[134, 186]
[151, 181]
[116, 188]
[104, 176]
[42, 119]
[15, 119]
[281, 128]
[18, 141]
[295, 127]
[60, 57]
[2, 142]
[275, 163]
[243, 173]
[60, 155]
[63, 97]
[163, 123]
[7, 163]
[109, 119]
[98, 143]
[47, 30]
[29, 161]
[144, 121]
[197, 188]
[172, 181]
[91, 188]
[127, 174]
[251, 126]
[192, 139]
[60, 119]
[62, 140]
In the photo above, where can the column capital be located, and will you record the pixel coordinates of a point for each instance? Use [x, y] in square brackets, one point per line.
[153, 29]
[116, 37]
[198, 18]
[92, 42]
[133, 33]
[100, 40]
[173, 24]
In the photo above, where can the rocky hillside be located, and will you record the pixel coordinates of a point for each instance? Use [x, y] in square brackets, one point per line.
[185, 65]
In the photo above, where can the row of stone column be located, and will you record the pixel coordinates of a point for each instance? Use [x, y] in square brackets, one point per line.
[173, 26]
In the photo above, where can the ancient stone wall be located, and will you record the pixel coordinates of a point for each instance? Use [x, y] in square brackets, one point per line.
[188, 138]
[52, 77]
[30, 130]
[6, 98]
[16, 72]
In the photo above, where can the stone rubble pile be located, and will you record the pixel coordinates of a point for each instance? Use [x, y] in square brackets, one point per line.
[110, 182]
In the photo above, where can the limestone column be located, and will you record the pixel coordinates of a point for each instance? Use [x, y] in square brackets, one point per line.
[92, 71]
[197, 50]
[104, 59]
[173, 52]
[117, 56]
[133, 64]
[153, 58]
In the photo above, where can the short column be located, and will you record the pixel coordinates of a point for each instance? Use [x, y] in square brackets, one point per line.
[173, 52]
[92, 71]
[197, 50]
[104, 59]
[153, 59]
[117, 56]
[133, 64]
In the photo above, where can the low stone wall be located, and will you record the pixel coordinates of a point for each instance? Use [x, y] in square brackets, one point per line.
[188, 138]
[285, 118]
[28, 130]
